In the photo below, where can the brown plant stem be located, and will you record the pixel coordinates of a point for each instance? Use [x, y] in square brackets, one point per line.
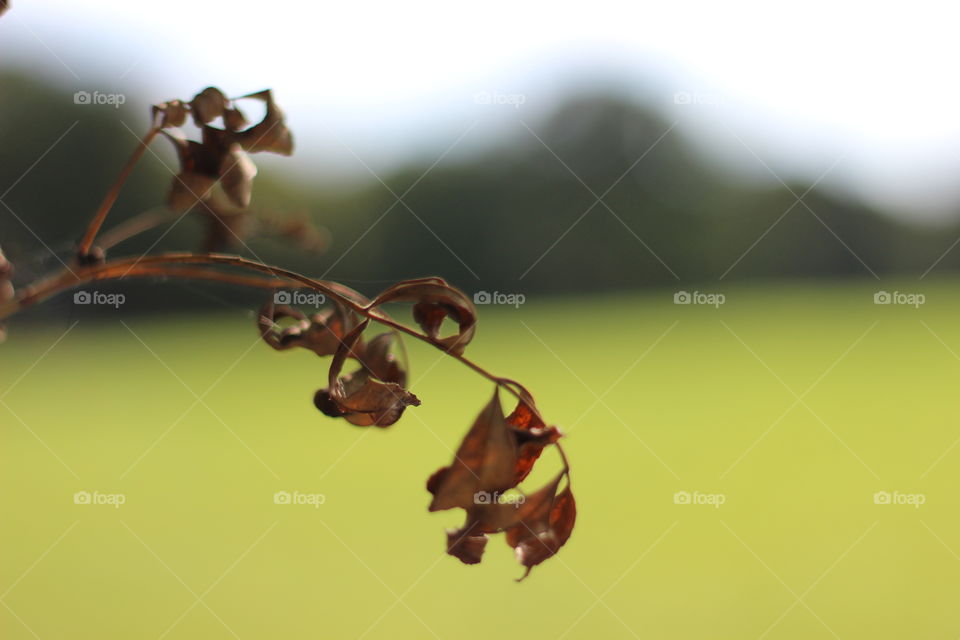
[136, 225]
[169, 264]
[162, 263]
[101, 214]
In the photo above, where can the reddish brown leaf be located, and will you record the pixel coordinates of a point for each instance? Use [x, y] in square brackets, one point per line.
[281, 338]
[467, 548]
[358, 397]
[485, 462]
[381, 361]
[322, 333]
[539, 534]
[434, 300]
[531, 433]
[499, 514]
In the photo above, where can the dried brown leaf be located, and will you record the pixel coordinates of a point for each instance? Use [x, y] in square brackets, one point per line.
[322, 333]
[434, 300]
[172, 113]
[271, 133]
[237, 172]
[485, 462]
[540, 533]
[233, 119]
[208, 105]
[531, 433]
[467, 548]
[359, 397]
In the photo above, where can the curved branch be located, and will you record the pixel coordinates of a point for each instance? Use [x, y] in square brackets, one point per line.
[101, 214]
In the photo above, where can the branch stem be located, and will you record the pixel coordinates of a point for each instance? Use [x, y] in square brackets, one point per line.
[114, 192]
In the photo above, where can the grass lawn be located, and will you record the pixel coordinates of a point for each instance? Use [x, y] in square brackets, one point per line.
[793, 405]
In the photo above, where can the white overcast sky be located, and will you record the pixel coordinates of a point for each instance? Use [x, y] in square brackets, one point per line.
[869, 89]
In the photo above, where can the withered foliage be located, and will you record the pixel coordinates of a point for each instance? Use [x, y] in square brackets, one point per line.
[497, 453]
[367, 378]
[216, 172]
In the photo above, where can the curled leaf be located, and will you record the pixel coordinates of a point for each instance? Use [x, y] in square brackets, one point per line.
[434, 300]
[281, 338]
[233, 119]
[379, 358]
[172, 113]
[271, 133]
[540, 536]
[531, 432]
[322, 333]
[208, 105]
[359, 397]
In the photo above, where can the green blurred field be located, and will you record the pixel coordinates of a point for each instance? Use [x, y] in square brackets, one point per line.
[199, 550]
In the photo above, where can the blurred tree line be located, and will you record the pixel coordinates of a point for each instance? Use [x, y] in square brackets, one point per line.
[512, 218]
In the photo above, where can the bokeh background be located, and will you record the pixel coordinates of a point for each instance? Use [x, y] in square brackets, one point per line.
[781, 463]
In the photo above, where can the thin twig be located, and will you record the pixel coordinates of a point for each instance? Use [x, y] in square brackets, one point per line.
[101, 215]
[135, 226]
